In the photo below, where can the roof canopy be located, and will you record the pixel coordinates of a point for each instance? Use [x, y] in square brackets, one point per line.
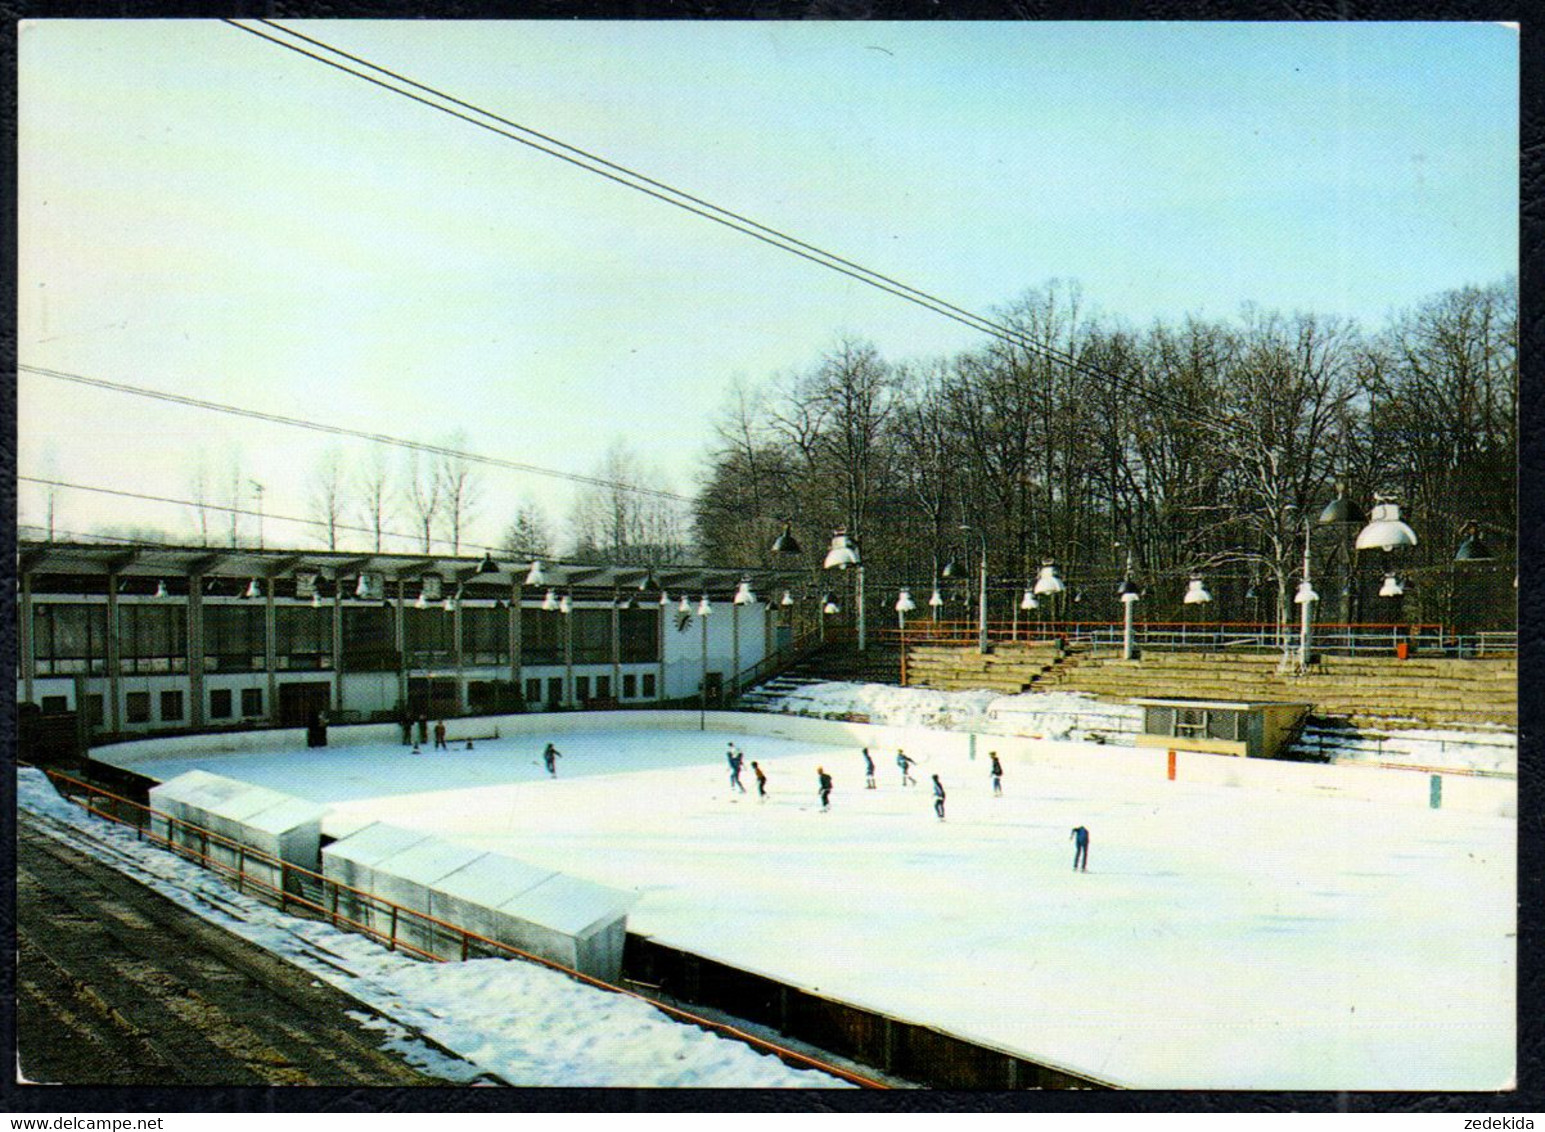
[248, 562]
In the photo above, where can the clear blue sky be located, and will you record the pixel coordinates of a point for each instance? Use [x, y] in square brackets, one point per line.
[205, 213]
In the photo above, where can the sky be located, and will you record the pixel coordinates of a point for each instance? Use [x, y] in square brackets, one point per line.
[204, 213]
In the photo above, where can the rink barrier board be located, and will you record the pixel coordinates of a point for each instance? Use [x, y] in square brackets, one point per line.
[908, 1050]
[1374, 783]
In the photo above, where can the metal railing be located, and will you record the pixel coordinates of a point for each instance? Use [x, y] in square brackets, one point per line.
[306, 892]
[778, 660]
[1346, 639]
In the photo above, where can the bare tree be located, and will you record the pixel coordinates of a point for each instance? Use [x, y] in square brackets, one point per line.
[328, 489]
[421, 485]
[235, 485]
[199, 489]
[373, 492]
[460, 489]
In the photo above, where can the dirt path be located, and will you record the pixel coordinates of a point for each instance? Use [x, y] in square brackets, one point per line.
[116, 985]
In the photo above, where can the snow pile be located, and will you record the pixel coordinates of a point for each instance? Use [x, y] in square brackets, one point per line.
[521, 1023]
[1048, 715]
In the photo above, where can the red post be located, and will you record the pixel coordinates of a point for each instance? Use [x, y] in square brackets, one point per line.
[1172, 766]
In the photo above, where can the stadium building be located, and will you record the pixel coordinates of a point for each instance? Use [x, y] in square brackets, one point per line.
[156, 639]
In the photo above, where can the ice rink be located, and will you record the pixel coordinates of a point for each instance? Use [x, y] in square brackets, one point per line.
[1223, 937]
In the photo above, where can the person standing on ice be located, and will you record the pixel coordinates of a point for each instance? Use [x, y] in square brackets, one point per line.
[868, 771]
[440, 744]
[997, 775]
[906, 766]
[551, 757]
[761, 781]
[407, 729]
[1080, 837]
[938, 797]
[825, 781]
[736, 761]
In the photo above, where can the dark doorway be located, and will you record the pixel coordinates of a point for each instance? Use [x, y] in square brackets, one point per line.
[299, 703]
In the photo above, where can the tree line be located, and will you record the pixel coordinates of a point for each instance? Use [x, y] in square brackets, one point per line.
[1198, 446]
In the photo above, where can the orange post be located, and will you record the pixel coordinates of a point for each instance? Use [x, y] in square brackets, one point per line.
[1172, 766]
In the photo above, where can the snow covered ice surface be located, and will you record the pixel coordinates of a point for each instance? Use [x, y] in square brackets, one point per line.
[1224, 937]
[520, 1022]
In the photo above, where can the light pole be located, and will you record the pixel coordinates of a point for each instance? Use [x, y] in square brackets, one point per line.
[703, 610]
[844, 553]
[981, 609]
[1128, 593]
[1305, 599]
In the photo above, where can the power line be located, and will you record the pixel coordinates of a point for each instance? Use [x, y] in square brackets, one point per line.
[247, 511]
[678, 198]
[340, 430]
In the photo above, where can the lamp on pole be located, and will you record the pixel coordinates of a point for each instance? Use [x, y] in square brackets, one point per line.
[844, 553]
[981, 609]
[1128, 593]
[1305, 599]
[703, 610]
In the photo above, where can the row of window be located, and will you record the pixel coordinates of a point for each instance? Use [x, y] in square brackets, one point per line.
[631, 688]
[137, 705]
[72, 638]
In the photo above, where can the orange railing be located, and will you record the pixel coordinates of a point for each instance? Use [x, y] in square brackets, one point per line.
[330, 892]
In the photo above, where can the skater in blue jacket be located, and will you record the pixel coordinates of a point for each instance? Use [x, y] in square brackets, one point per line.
[938, 797]
[1080, 837]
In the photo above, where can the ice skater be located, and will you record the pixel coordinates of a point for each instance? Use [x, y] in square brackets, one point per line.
[997, 775]
[869, 783]
[825, 781]
[736, 761]
[1080, 837]
[440, 743]
[906, 764]
[407, 730]
[550, 757]
[938, 797]
[761, 781]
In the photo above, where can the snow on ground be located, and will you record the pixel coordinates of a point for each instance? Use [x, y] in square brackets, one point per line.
[1076, 715]
[1224, 937]
[519, 1021]
[1050, 715]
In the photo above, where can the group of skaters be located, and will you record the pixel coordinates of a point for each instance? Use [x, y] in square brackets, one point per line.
[421, 724]
[737, 760]
[905, 763]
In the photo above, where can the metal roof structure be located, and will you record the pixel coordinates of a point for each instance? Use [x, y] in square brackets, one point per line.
[333, 567]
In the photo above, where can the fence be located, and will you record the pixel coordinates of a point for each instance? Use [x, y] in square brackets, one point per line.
[302, 891]
[1342, 639]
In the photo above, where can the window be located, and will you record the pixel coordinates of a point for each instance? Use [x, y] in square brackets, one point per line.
[592, 636]
[629, 685]
[303, 637]
[541, 636]
[152, 638]
[485, 635]
[533, 691]
[233, 637]
[649, 685]
[69, 638]
[582, 688]
[220, 703]
[369, 638]
[555, 690]
[55, 705]
[639, 630]
[429, 636]
[171, 706]
[603, 687]
[138, 707]
[251, 701]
